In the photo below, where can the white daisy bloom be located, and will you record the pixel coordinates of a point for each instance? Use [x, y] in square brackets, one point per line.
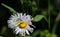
[21, 23]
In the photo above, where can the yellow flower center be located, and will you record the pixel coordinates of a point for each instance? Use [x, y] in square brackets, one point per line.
[23, 25]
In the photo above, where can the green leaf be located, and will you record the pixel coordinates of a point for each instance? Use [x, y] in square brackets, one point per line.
[42, 34]
[22, 1]
[53, 35]
[48, 35]
[33, 2]
[56, 23]
[35, 33]
[38, 18]
[34, 9]
[0, 36]
[58, 17]
[11, 9]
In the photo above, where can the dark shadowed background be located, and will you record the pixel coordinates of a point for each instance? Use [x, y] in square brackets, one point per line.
[41, 25]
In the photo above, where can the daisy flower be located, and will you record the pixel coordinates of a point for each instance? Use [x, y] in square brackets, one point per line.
[21, 23]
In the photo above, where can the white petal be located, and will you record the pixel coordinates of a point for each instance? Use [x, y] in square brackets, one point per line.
[17, 31]
[9, 21]
[22, 32]
[27, 32]
[24, 14]
[29, 22]
[16, 28]
[32, 19]
[30, 29]
[28, 17]
[11, 26]
[33, 25]
[21, 15]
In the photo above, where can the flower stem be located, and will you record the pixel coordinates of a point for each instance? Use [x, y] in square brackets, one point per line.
[55, 26]
[11, 9]
[54, 29]
[49, 13]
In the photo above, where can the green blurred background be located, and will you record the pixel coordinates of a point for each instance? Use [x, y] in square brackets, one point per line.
[48, 8]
